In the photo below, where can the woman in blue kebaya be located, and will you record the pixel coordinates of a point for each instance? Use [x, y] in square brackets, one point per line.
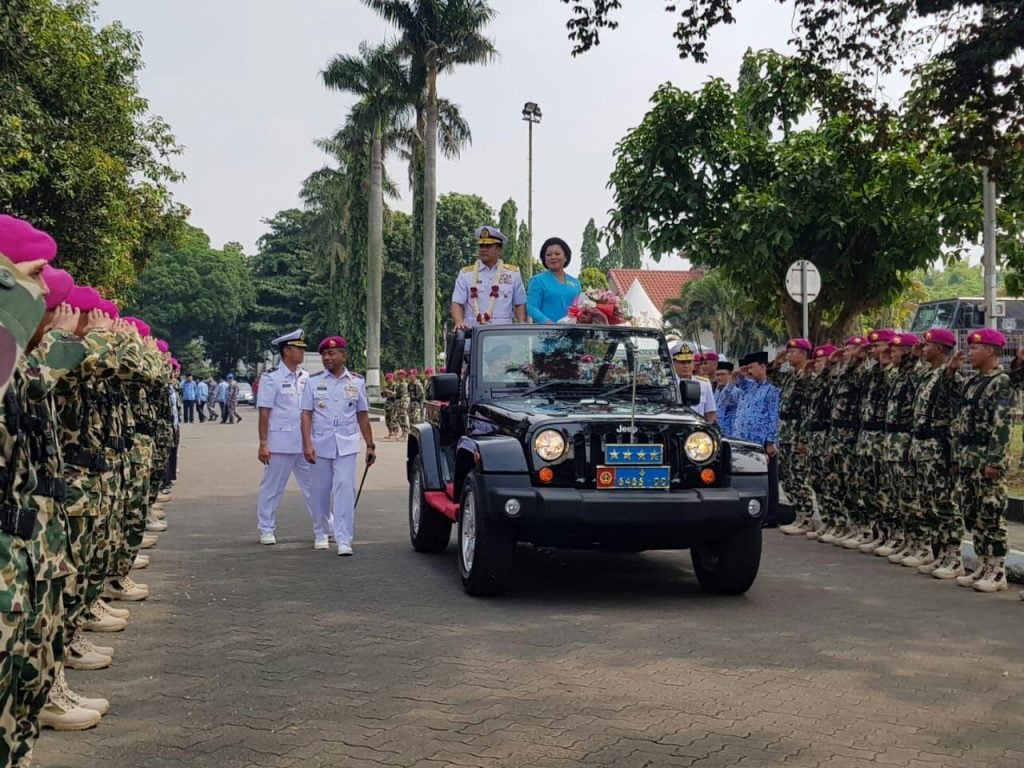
[552, 292]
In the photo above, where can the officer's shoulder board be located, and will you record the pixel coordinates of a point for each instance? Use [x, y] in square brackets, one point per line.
[511, 267]
[469, 268]
[318, 373]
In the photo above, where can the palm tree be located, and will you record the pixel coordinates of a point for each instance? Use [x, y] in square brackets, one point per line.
[714, 303]
[438, 35]
[381, 80]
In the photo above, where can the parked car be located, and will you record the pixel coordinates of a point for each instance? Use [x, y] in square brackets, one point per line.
[245, 394]
[579, 437]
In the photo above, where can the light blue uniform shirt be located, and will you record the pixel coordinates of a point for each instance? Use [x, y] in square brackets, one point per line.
[336, 402]
[188, 390]
[548, 300]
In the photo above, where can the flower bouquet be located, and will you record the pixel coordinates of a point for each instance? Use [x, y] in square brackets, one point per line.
[598, 307]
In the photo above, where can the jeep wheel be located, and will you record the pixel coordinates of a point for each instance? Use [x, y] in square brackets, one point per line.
[429, 530]
[485, 546]
[728, 566]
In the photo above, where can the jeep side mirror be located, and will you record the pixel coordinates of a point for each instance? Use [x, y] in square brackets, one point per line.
[444, 387]
[690, 390]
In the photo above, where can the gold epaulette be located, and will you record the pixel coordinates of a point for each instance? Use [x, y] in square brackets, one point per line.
[468, 269]
[511, 267]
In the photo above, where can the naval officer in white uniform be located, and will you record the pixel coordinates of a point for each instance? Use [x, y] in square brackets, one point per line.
[335, 412]
[489, 290]
[279, 402]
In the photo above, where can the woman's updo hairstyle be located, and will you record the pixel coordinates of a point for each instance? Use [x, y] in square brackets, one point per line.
[559, 242]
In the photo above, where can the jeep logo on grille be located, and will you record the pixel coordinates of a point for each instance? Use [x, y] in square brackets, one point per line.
[630, 430]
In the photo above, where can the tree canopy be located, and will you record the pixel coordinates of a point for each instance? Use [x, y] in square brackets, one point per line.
[723, 174]
[80, 155]
[971, 70]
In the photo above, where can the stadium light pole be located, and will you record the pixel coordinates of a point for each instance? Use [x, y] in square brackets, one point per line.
[531, 114]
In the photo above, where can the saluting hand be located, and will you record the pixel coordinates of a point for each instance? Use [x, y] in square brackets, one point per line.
[64, 319]
[955, 362]
[992, 473]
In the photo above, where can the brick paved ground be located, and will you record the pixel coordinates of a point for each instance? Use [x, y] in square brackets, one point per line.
[282, 656]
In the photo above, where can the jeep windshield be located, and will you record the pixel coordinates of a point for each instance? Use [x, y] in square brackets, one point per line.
[575, 361]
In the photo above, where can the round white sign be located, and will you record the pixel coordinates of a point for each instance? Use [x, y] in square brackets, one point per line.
[793, 281]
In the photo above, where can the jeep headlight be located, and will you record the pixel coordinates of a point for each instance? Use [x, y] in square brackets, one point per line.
[549, 444]
[699, 447]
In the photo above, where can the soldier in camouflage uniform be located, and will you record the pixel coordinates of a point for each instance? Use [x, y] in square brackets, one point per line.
[939, 523]
[793, 476]
[842, 441]
[981, 432]
[417, 394]
[402, 404]
[895, 477]
[870, 444]
[815, 432]
[389, 391]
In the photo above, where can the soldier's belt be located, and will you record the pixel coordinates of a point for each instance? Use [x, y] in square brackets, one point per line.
[789, 416]
[898, 429]
[116, 443]
[52, 487]
[87, 459]
[846, 423]
[931, 434]
[15, 521]
[145, 430]
[873, 426]
[975, 440]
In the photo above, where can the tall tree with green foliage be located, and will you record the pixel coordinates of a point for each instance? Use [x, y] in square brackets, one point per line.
[632, 257]
[726, 175]
[525, 257]
[972, 77]
[80, 154]
[190, 290]
[438, 35]
[590, 250]
[592, 277]
[381, 81]
[512, 253]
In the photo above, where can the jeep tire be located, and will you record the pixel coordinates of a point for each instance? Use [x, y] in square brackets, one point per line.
[429, 530]
[728, 565]
[486, 545]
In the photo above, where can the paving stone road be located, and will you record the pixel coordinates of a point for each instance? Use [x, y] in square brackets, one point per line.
[281, 656]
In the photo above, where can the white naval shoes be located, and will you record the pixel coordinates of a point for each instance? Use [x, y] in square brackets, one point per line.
[345, 550]
[321, 542]
[268, 538]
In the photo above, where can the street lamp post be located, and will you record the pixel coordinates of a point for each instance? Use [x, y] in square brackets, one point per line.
[531, 114]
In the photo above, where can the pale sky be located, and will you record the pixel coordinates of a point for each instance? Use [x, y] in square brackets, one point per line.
[239, 82]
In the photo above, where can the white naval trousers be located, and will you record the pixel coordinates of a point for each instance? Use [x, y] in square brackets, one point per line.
[333, 487]
[275, 479]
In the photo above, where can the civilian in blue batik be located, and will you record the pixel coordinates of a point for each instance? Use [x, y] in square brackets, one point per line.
[757, 420]
[552, 292]
[727, 397]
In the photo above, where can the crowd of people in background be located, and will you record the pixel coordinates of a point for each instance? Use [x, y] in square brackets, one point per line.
[404, 393]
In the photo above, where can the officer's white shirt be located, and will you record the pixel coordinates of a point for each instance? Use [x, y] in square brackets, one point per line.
[335, 402]
[511, 293]
[707, 395]
[281, 391]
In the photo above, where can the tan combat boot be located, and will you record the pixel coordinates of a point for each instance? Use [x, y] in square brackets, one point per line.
[63, 714]
[862, 536]
[125, 589]
[952, 566]
[157, 511]
[97, 704]
[104, 623]
[922, 555]
[163, 497]
[79, 655]
[890, 545]
[980, 568]
[994, 579]
[102, 607]
[141, 561]
[155, 526]
[868, 547]
[149, 540]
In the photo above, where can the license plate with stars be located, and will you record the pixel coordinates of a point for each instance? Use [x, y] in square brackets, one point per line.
[629, 466]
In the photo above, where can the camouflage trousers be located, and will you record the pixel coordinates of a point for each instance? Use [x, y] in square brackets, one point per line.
[895, 499]
[983, 504]
[794, 477]
[402, 415]
[139, 494]
[82, 536]
[829, 492]
[937, 520]
[390, 418]
[32, 645]
[865, 491]
[107, 531]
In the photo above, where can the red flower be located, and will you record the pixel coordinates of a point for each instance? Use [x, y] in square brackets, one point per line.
[473, 292]
[494, 291]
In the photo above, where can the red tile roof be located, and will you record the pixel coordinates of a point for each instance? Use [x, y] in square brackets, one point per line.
[659, 285]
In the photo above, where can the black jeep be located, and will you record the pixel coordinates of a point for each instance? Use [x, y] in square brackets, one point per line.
[578, 437]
